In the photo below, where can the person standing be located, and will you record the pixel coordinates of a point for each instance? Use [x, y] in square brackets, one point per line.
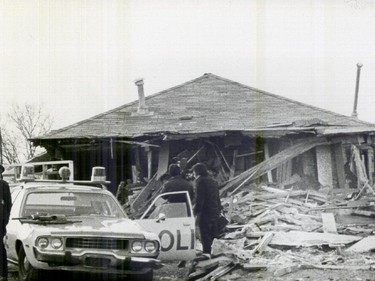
[123, 192]
[207, 206]
[5, 206]
[177, 182]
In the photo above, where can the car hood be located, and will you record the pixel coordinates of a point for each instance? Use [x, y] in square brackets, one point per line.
[97, 226]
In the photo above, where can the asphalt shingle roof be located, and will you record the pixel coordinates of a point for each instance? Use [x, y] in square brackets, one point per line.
[207, 104]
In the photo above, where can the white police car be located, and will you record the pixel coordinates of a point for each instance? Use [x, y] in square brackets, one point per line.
[76, 226]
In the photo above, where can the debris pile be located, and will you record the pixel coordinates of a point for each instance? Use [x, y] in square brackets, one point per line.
[284, 213]
[283, 231]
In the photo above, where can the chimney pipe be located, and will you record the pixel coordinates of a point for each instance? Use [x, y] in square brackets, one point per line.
[355, 114]
[142, 108]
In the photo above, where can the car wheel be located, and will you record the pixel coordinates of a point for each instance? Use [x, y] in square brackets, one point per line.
[26, 272]
[143, 277]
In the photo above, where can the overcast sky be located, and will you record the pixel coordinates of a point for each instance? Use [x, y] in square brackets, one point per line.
[79, 58]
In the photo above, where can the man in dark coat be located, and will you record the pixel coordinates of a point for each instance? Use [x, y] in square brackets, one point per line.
[207, 206]
[177, 182]
[5, 206]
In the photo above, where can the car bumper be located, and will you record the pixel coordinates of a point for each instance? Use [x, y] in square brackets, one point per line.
[94, 262]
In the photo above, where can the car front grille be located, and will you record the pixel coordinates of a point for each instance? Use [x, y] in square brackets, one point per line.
[97, 243]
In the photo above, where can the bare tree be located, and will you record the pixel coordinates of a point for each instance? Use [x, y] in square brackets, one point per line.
[9, 144]
[26, 121]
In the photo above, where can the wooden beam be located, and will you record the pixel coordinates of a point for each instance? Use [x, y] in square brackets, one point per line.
[163, 159]
[264, 242]
[149, 164]
[365, 245]
[302, 238]
[329, 224]
[249, 154]
[145, 144]
[144, 194]
[339, 164]
[273, 162]
[233, 167]
[267, 156]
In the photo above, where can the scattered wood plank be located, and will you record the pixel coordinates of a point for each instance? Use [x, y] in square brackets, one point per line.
[272, 162]
[285, 194]
[221, 260]
[144, 194]
[255, 234]
[329, 224]
[338, 207]
[338, 267]
[286, 270]
[364, 213]
[306, 239]
[264, 242]
[365, 245]
[153, 189]
[295, 268]
[218, 272]
[223, 271]
[254, 267]
[201, 272]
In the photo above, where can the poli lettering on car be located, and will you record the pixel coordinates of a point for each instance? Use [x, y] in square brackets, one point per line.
[171, 217]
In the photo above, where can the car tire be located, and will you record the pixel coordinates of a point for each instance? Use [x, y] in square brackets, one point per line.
[143, 277]
[26, 272]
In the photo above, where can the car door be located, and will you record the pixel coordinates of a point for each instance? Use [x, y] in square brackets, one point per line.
[171, 216]
[15, 229]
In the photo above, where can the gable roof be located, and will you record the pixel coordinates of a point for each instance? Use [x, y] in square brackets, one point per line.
[211, 104]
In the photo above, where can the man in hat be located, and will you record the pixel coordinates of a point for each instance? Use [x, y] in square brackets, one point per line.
[177, 182]
[207, 206]
[5, 206]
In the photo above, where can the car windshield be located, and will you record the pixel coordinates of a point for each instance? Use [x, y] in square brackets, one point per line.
[71, 203]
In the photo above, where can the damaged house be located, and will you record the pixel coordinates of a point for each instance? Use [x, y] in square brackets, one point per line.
[242, 134]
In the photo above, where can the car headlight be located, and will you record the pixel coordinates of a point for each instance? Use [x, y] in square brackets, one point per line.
[137, 246]
[56, 243]
[150, 246]
[43, 242]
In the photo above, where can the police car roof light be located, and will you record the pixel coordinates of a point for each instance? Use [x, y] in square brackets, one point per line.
[98, 174]
[27, 173]
[64, 173]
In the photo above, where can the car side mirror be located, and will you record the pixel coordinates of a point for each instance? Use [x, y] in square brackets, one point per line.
[161, 217]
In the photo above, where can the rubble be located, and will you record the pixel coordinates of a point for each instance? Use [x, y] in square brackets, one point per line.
[286, 230]
[292, 223]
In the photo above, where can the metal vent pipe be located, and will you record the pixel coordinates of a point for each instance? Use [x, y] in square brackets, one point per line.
[355, 114]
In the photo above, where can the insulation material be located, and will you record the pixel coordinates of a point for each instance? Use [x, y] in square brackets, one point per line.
[324, 165]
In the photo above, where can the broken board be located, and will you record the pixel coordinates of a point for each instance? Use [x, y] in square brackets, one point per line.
[301, 238]
[329, 224]
[365, 245]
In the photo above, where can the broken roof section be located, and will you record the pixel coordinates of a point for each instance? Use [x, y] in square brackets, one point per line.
[212, 104]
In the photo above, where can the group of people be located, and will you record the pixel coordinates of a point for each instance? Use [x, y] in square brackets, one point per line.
[205, 195]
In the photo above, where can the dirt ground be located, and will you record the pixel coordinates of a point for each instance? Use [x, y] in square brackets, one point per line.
[171, 272]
